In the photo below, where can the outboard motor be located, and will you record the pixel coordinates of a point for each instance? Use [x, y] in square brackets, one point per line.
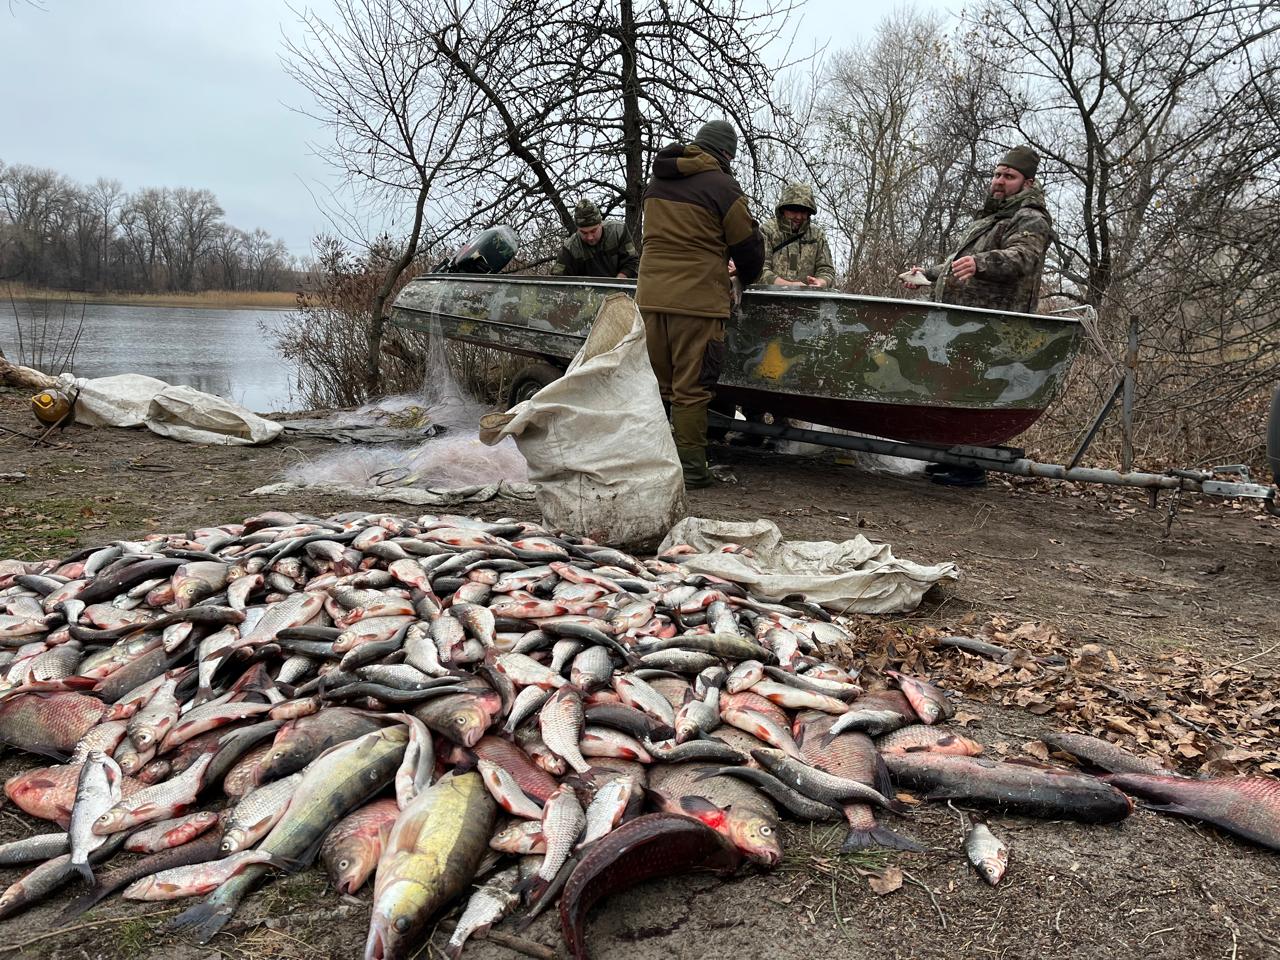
[487, 252]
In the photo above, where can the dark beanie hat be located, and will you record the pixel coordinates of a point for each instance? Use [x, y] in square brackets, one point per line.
[720, 136]
[586, 214]
[1023, 159]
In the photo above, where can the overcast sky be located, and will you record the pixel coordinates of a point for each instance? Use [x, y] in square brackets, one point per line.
[166, 93]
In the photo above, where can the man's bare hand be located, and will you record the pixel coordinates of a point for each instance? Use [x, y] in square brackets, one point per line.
[816, 281]
[962, 270]
[783, 282]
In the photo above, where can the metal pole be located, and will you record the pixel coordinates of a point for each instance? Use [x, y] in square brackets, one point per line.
[1126, 411]
[992, 458]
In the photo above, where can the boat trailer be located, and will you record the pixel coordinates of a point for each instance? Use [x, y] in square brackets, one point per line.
[1014, 461]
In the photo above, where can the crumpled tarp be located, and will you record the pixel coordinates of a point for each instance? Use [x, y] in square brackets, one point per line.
[418, 496]
[178, 412]
[855, 575]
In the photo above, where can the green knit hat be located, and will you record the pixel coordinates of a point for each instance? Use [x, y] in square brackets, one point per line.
[1023, 159]
[586, 214]
[720, 136]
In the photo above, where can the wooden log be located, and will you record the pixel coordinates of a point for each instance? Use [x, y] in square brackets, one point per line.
[14, 375]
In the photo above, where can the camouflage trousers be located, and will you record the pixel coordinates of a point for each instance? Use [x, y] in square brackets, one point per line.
[687, 354]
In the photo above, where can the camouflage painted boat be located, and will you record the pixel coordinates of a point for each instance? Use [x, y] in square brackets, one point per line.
[903, 369]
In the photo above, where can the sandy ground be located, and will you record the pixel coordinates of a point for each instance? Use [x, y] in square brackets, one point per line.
[1101, 567]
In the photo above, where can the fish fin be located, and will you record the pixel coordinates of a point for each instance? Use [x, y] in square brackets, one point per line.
[884, 783]
[85, 871]
[700, 808]
[531, 888]
[878, 836]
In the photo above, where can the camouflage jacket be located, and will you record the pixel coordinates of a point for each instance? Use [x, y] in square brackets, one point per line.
[793, 256]
[695, 219]
[615, 253]
[1008, 244]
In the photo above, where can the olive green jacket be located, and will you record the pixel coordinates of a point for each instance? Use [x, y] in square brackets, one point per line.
[612, 255]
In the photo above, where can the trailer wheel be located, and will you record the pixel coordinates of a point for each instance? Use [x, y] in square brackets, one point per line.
[1273, 436]
[530, 380]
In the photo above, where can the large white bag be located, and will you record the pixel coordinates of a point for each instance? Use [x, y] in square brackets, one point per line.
[185, 413]
[597, 440]
[179, 412]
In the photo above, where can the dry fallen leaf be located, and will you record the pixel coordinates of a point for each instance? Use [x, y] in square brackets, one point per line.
[886, 882]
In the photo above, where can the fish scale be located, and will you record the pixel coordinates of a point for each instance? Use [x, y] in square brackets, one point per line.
[251, 818]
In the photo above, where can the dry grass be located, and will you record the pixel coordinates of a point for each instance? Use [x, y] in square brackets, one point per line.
[261, 299]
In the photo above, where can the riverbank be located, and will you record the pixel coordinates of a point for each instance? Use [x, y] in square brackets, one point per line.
[229, 299]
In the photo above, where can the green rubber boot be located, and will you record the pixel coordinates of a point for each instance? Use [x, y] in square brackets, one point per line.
[693, 461]
[690, 428]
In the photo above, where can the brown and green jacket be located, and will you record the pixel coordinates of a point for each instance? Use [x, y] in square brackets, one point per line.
[1008, 242]
[613, 254]
[795, 255]
[695, 219]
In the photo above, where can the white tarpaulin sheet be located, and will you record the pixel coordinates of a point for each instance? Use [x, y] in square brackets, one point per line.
[855, 576]
[597, 440]
[179, 412]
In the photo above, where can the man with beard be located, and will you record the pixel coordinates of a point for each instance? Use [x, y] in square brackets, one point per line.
[997, 263]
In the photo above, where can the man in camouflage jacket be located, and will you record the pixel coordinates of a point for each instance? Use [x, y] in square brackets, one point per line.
[997, 263]
[999, 259]
[695, 221]
[598, 248]
[796, 253]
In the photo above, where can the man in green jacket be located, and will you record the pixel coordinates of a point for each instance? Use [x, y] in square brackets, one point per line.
[997, 263]
[598, 248]
[695, 221]
[795, 250]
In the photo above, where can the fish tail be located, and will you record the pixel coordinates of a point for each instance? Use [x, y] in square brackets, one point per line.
[82, 904]
[85, 871]
[205, 920]
[877, 836]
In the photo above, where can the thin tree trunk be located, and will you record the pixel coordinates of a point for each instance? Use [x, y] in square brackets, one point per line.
[632, 131]
[373, 370]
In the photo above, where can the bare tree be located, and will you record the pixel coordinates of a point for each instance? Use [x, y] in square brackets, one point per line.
[470, 112]
[1158, 123]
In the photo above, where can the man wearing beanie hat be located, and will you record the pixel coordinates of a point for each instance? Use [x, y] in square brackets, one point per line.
[598, 248]
[999, 259]
[695, 221]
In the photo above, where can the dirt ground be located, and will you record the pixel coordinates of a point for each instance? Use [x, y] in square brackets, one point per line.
[1101, 567]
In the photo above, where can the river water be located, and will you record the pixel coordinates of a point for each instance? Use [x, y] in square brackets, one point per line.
[228, 352]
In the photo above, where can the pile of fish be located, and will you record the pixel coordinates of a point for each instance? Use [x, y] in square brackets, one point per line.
[444, 702]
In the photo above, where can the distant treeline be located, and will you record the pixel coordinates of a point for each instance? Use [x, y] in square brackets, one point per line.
[55, 233]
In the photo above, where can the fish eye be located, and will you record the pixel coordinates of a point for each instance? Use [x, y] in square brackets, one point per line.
[459, 720]
[402, 924]
[343, 864]
[766, 831]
